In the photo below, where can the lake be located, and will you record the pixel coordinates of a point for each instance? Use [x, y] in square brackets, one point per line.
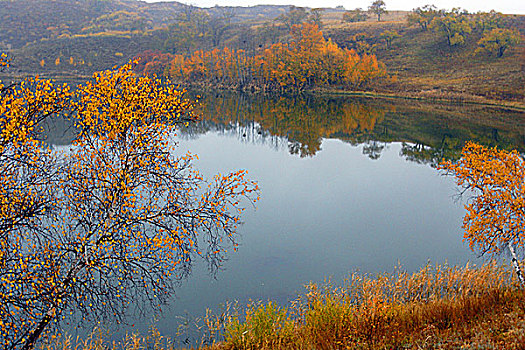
[347, 184]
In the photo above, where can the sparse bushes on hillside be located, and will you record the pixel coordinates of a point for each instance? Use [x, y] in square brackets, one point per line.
[357, 15]
[117, 21]
[457, 26]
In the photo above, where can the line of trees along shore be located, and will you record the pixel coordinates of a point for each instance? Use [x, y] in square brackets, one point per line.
[308, 60]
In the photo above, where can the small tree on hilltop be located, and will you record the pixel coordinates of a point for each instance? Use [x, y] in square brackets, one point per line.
[495, 218]
[356, 15]
[423, 16]
[378, 7]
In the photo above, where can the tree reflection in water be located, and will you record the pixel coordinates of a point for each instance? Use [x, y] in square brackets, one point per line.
[428, 132]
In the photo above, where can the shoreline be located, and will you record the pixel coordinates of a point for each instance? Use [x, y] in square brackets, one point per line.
[429, 97]
[432, 96]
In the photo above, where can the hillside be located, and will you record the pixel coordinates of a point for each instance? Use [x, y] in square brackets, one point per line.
[425, 65]
[62, 38]
[26, 21]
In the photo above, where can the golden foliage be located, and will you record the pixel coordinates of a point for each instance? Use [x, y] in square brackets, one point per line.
[4, 61]
[495, 179]
[435, 307]
[115, 219]
[308, 60]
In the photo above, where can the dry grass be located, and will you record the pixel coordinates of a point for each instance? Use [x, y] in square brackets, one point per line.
[433, 307]
[437, 307]
[422, 61]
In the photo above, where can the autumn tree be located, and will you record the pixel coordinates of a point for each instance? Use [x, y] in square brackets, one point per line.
[423, 16]
[495, 182]
[378, 7]
[307, 60]
[498, 40]
[356, 15]
[388, 36]
[454, 25]
[4, 62]
[362, 43]
[152, 63]
[115, 220]
[27, 176]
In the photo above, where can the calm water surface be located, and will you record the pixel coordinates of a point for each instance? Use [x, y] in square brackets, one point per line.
[346, 184]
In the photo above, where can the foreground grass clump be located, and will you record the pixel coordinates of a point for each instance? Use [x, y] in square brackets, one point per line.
[436, 307]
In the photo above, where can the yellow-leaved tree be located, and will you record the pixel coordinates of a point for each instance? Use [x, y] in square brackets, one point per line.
[115, 219]
[495, 180]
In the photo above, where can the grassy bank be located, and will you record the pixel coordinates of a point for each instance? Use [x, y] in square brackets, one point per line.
[436, 307]
[429, 96]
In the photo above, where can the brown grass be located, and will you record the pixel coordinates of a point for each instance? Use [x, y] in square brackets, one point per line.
[437, 307]
[422, 61]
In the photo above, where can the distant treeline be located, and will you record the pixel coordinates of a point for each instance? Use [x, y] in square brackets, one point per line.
[308, 60]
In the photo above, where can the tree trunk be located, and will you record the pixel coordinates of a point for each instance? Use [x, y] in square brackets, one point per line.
[516, 264]
[501, 50]
[33, 336]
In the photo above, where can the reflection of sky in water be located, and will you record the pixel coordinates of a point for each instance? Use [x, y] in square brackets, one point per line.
[321, 217]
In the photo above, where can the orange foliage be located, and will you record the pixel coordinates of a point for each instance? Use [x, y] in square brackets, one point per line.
[152, 63]
[495, 214]
[308, 60]
[4, 61]
[116, 218]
